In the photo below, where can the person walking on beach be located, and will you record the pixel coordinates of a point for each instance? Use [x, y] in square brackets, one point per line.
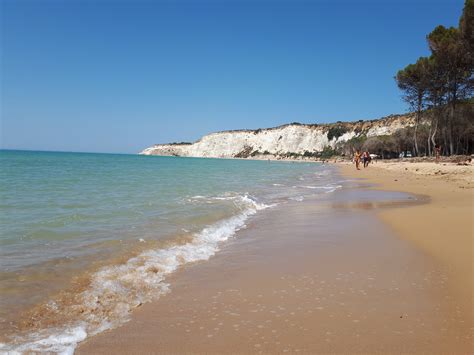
[437, 152]
[357, 159]
[366, 159]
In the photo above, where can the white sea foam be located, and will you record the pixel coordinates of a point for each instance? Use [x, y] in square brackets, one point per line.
[56, 341]
[115, 290]
[297, 198]
[316, 187]
[327, 187]
[241, 201]
[323, 173]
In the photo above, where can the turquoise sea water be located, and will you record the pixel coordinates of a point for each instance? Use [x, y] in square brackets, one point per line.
[125, 220]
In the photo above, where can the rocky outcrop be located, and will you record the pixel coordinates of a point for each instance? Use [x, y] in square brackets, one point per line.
[293, 138]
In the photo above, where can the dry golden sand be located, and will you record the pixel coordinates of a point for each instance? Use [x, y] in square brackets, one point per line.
[313, 277]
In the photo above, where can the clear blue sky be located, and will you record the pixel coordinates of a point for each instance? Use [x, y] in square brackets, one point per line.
[118, 76]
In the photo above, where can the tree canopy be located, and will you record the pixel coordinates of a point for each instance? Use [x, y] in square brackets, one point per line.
[436, 86]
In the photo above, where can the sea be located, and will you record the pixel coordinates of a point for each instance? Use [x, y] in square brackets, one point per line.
[86, 238]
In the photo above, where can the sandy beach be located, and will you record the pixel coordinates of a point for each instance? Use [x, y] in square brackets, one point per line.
[177, 178]
[442, 228]
[352, 274]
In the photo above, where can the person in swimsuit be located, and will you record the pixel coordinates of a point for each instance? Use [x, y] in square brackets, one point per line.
[365, 159]
[437, 152]
[357, 159]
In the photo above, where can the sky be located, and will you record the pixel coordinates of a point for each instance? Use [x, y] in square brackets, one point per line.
[118, 76]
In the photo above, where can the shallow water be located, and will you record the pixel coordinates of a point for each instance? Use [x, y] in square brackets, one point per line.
[85, 238]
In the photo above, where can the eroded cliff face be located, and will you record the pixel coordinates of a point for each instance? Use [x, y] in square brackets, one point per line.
[292, 138]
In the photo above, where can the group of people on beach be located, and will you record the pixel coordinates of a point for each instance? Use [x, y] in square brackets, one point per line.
[367, 159]
[364, 157]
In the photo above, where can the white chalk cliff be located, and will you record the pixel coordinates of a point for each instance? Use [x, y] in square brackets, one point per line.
[291, 138]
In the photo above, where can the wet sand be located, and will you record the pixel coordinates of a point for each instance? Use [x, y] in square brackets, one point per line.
[316, 277]
[444, 227]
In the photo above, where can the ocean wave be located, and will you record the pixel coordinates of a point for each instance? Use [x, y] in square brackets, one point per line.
[241, 201]
[115, 291]
[297, 198]
[59, 341]
[329, 188]
[323, 173]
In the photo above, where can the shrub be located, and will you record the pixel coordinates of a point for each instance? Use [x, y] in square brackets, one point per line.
[310, 154]
[328, 152]
[336, 132]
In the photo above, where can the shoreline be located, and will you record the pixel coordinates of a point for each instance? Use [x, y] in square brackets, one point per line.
[269, 295]
[107, 292]
[369, 217]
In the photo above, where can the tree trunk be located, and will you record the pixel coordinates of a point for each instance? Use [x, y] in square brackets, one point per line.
[428, 145]
[445, 133]
[417, 120]
[445, 140]
[415, 140]
[435, 130]
[450, 129]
